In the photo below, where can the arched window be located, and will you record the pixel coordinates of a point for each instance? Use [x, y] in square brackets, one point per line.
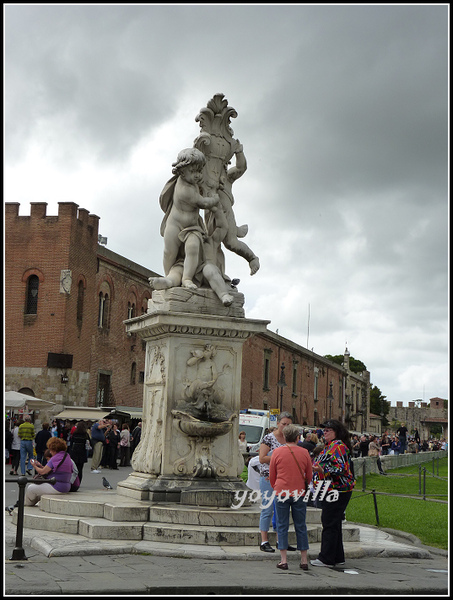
[80, 301]
[130, 310]
[103, 317]
[32, 295]
[316, 418]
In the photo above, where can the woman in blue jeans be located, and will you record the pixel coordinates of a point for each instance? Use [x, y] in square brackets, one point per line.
[290, 472]
[268, 444]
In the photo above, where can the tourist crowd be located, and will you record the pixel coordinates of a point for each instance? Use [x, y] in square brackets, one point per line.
[24, 442]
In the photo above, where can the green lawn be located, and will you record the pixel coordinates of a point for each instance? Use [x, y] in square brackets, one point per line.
[428, 520]
[406, 480]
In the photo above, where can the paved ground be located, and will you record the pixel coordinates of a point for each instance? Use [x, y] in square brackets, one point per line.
[382, 563]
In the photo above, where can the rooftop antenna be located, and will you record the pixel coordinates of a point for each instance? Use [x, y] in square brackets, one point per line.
[308, 324]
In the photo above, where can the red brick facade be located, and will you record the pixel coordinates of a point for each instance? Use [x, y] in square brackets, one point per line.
[66, 323]
[85, 322]
[315, 388]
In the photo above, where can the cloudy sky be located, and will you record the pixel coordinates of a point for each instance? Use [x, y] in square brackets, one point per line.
[343, 114]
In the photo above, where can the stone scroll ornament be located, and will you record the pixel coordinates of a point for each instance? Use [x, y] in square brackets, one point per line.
[203, 179]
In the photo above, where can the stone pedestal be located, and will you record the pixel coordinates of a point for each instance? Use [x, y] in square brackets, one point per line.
[189, 444]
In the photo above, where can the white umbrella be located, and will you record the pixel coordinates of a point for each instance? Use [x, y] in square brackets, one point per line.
[19, 400]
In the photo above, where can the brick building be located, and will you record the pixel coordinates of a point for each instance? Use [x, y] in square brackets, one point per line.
[66, 297]
[314, 388]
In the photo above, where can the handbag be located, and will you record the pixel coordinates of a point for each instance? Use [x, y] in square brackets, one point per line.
[41, 477]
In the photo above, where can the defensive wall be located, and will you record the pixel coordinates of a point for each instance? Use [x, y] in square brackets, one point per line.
[394, 461]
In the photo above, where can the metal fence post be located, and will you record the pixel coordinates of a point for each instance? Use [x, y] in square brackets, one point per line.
[363, 476]
[424, 483]
[19, 552]
[375, 507]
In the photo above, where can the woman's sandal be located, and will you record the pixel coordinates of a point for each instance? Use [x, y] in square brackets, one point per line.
[304, 566]
[283, 566]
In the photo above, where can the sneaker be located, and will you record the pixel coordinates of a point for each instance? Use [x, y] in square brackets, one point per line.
[266, 547]
[318, 563]
[95, 471]
[29, 472]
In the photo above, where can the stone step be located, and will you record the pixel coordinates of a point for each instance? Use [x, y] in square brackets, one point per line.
[120, 508]
[115, 508]
[217, 536]
[197, 534]
[226, 517]
[34, 518]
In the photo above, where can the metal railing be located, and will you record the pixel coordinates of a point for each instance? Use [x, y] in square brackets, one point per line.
[19, 552]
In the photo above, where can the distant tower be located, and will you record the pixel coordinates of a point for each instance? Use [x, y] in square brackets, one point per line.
[346, 359]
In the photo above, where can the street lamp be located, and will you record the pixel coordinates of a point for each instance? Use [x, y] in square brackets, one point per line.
[330, 399]
[281, 384]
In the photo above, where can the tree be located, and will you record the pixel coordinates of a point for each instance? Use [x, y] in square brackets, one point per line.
[378, 404]
[355, 365]
[436, 430]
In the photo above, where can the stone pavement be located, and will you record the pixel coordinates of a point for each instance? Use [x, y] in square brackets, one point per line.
[382, 563]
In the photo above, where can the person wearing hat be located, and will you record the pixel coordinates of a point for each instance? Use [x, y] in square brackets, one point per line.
[334, 464]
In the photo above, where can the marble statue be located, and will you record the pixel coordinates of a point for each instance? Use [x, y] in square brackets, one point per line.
[193, 255]
[194, 329]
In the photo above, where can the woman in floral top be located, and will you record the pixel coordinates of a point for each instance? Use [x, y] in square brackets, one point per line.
[334, 464]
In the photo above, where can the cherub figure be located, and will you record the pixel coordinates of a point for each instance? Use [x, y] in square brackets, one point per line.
[218, 145]
[207, 267]
[182, 227]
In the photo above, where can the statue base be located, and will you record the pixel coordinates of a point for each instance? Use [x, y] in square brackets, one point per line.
[189, 450]
[188, 491]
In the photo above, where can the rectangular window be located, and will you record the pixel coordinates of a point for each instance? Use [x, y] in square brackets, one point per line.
[103, 391]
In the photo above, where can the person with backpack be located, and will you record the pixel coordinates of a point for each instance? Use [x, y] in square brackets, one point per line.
[58, 466]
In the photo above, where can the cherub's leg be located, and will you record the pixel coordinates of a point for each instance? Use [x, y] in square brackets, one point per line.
[241, 249]
[192, 251]
[164, 283]
[214, 277]
[172, 246]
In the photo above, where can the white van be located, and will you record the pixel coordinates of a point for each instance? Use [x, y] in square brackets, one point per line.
[255, 422]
